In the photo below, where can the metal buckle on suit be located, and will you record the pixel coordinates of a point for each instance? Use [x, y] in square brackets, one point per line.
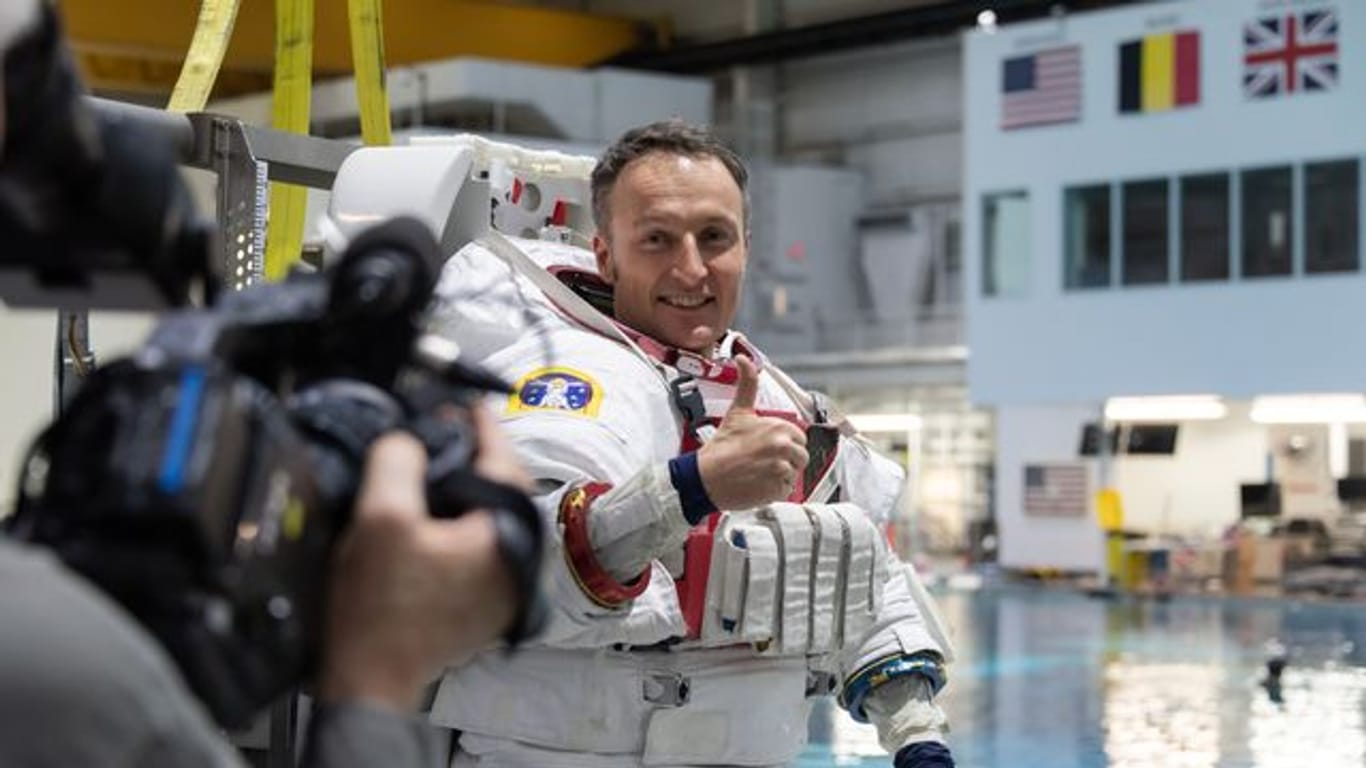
[820, 408]
[666, 688]
[687, 398]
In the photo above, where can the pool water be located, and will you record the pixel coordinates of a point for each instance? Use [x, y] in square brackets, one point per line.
[1055, 679]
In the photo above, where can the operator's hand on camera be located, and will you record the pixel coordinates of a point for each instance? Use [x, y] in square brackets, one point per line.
[411, 594]
[752, 460]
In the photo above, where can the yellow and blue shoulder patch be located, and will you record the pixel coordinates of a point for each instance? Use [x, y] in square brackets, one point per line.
[562, 390]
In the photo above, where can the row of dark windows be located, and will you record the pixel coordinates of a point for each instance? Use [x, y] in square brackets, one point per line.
[1193, 228]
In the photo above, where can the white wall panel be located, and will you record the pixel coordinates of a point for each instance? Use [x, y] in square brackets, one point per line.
[1038, 435]
[1238, 338]
[1195, 491]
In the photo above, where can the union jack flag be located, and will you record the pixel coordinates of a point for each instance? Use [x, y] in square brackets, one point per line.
[1295, 52]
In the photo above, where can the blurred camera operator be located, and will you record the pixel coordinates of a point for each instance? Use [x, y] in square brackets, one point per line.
[82, 683]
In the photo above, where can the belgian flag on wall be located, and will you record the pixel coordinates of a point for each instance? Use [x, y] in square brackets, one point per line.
[1159, 72]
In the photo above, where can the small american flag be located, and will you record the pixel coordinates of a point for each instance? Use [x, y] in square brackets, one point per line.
[1055, 490]
[1296, 52]
[1042, 88]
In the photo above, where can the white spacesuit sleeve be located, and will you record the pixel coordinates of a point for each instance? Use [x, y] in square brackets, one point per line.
[625, 527]
[629, 523]
[636, 522]
[869, 479]
[899, 629]
[905, 713]
[903, 708]
[875, 483]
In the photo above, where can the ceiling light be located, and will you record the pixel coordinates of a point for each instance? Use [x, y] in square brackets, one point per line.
[885, 422]
[1309, 409]
[1165, 408]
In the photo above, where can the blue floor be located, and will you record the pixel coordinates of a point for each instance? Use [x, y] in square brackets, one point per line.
[1049, 679]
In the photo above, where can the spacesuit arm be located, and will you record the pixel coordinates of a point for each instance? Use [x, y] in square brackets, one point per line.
[893, 672]
[611, 534]
[905, 713]
[884, 669]
[604, 582]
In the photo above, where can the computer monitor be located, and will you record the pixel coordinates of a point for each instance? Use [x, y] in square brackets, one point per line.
[1090, 439]
[1352, 489]
[1153, 439]
[1260, 500]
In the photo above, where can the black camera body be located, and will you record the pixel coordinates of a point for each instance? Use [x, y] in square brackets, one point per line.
[93, 211]
[203, 481]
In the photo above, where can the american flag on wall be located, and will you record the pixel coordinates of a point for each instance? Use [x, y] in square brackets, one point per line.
[1055, 490]
[1041, 88]
[1294, 52]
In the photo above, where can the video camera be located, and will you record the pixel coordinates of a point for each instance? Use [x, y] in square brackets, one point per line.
[203, 481]
[93, 211]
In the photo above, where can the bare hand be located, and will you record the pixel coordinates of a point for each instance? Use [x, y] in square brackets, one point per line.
[410, 594]
[752, 460]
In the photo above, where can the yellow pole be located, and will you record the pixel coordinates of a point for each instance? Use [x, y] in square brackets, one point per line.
[1110, 511]
[367, 56]
[197, 74]
[290, 106]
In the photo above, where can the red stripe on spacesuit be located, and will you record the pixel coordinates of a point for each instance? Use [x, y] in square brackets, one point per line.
[597, 584]
[691, 584]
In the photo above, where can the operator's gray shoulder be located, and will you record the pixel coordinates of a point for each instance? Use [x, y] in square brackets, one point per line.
[83, 684]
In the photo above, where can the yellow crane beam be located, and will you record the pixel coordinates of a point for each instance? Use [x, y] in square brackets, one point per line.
[137, 45]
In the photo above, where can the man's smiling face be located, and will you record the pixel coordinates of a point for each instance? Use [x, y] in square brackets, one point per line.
[675, 248]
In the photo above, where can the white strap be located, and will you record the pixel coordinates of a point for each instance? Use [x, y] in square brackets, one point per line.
[860, 601]
[806, 402]
[732, 575]
[827, 578]
[561, 295]
[578, 308]
[759, 618]
[792, 529]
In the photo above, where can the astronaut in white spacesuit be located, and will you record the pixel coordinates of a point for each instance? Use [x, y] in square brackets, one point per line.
[719, 555]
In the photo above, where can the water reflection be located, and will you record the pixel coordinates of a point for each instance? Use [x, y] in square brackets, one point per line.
[1321, 722]
[1058, 680]
[1161, 714]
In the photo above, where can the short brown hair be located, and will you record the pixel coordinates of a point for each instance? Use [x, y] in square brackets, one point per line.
[675, 137]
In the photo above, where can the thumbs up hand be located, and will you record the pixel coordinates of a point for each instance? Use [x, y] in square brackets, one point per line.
[752, 460]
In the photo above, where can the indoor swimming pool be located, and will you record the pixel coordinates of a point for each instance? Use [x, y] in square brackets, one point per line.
[1053, 679]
